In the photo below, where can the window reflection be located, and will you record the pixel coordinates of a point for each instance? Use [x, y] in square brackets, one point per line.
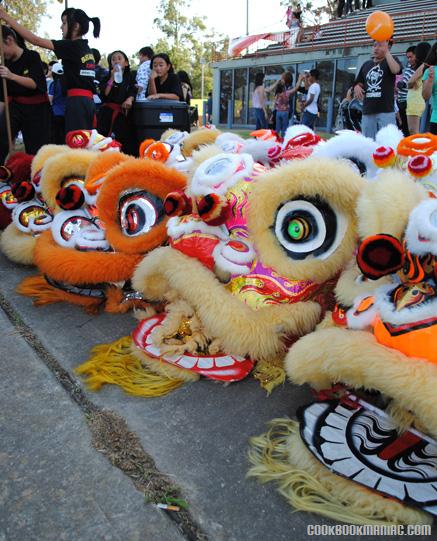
[346, 72]
[252, 75]
[225, 94]
[240, 82]
[326, 76]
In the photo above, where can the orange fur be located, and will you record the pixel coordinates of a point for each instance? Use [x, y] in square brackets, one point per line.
[101, 165]
[75, 267]
[148, 175]
[44, 293]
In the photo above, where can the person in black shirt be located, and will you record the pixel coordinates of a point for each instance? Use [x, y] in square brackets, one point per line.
[78, 62]
[375, 87]
[27, 95]
[115, 113]
[164, 84]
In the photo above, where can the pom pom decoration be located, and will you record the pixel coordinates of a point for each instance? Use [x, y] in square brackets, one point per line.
[384, 157]
[70, 197]
[419, 166]
[380, 26]
[266, 135]
[91, 140]
[213, 209]
[177, 204]
[78, 138]
[23, 191]
[155, 150]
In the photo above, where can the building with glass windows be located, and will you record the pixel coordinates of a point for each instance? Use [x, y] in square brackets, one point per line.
[337, 50]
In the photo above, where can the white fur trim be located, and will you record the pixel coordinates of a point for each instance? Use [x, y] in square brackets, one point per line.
[178, 226]
[349, 144]
[388, 312]
[423, 224]
[230, 169]
[258, 149]
[362, 320]
[389, 136]
[224, 264]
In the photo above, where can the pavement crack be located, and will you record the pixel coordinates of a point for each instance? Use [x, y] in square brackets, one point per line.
[110, 435]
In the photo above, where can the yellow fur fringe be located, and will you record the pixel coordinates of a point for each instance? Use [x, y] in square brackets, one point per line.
[280, 455]
[44, 293]
[116, 364]
[270, 374]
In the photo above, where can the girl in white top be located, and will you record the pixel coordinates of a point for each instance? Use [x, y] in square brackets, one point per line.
[259, 102]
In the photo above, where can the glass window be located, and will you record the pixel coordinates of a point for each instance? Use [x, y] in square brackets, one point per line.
[304, 67]
[252, 75]
[273, 74]
[240, 82]
[326, 76]
[225, 94]
[345, 77]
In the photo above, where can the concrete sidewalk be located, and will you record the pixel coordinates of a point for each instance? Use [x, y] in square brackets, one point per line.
[56, 486]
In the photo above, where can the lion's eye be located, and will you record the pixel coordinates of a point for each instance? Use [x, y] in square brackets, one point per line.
[307, 227]
[139, 212]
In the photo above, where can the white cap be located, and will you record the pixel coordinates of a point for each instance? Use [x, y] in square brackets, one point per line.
[58, 69]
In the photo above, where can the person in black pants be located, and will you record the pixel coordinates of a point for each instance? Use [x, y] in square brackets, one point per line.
[77, 60]
[340, 8]
[114, 116]
[27, 95]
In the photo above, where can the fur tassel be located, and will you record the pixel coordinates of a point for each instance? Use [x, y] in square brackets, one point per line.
[116, 364]
[117, 304]
[270, 374]
[44, 293]
[159, 368]
[280, 455]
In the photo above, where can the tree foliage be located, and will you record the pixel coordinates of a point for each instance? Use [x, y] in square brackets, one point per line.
[27, 12]
[186, 40]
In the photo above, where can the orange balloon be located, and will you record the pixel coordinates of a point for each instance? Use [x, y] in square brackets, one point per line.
[380, 26]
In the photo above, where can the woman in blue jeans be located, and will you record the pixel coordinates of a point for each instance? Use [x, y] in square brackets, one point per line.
[259, 101]
[282, 106]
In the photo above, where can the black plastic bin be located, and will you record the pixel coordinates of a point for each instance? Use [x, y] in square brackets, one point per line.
[152, 118]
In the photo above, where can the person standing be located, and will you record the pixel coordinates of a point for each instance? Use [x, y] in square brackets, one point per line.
[259, 101]
[77, 60]
[375, 87]
[209, 108]
[143, 73]
[311, 105]
[429, 89]
[340, 8]
[407, 73]
[187, 87]
[27, 95]
[58, 97]
[415, 102]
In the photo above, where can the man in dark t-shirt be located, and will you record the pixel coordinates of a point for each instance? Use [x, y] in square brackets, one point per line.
[375, 87]
[27, 95]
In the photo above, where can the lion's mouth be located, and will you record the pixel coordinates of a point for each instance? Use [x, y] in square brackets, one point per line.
[351, 433]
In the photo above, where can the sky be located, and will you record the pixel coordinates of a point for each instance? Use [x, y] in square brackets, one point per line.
[128, 24]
